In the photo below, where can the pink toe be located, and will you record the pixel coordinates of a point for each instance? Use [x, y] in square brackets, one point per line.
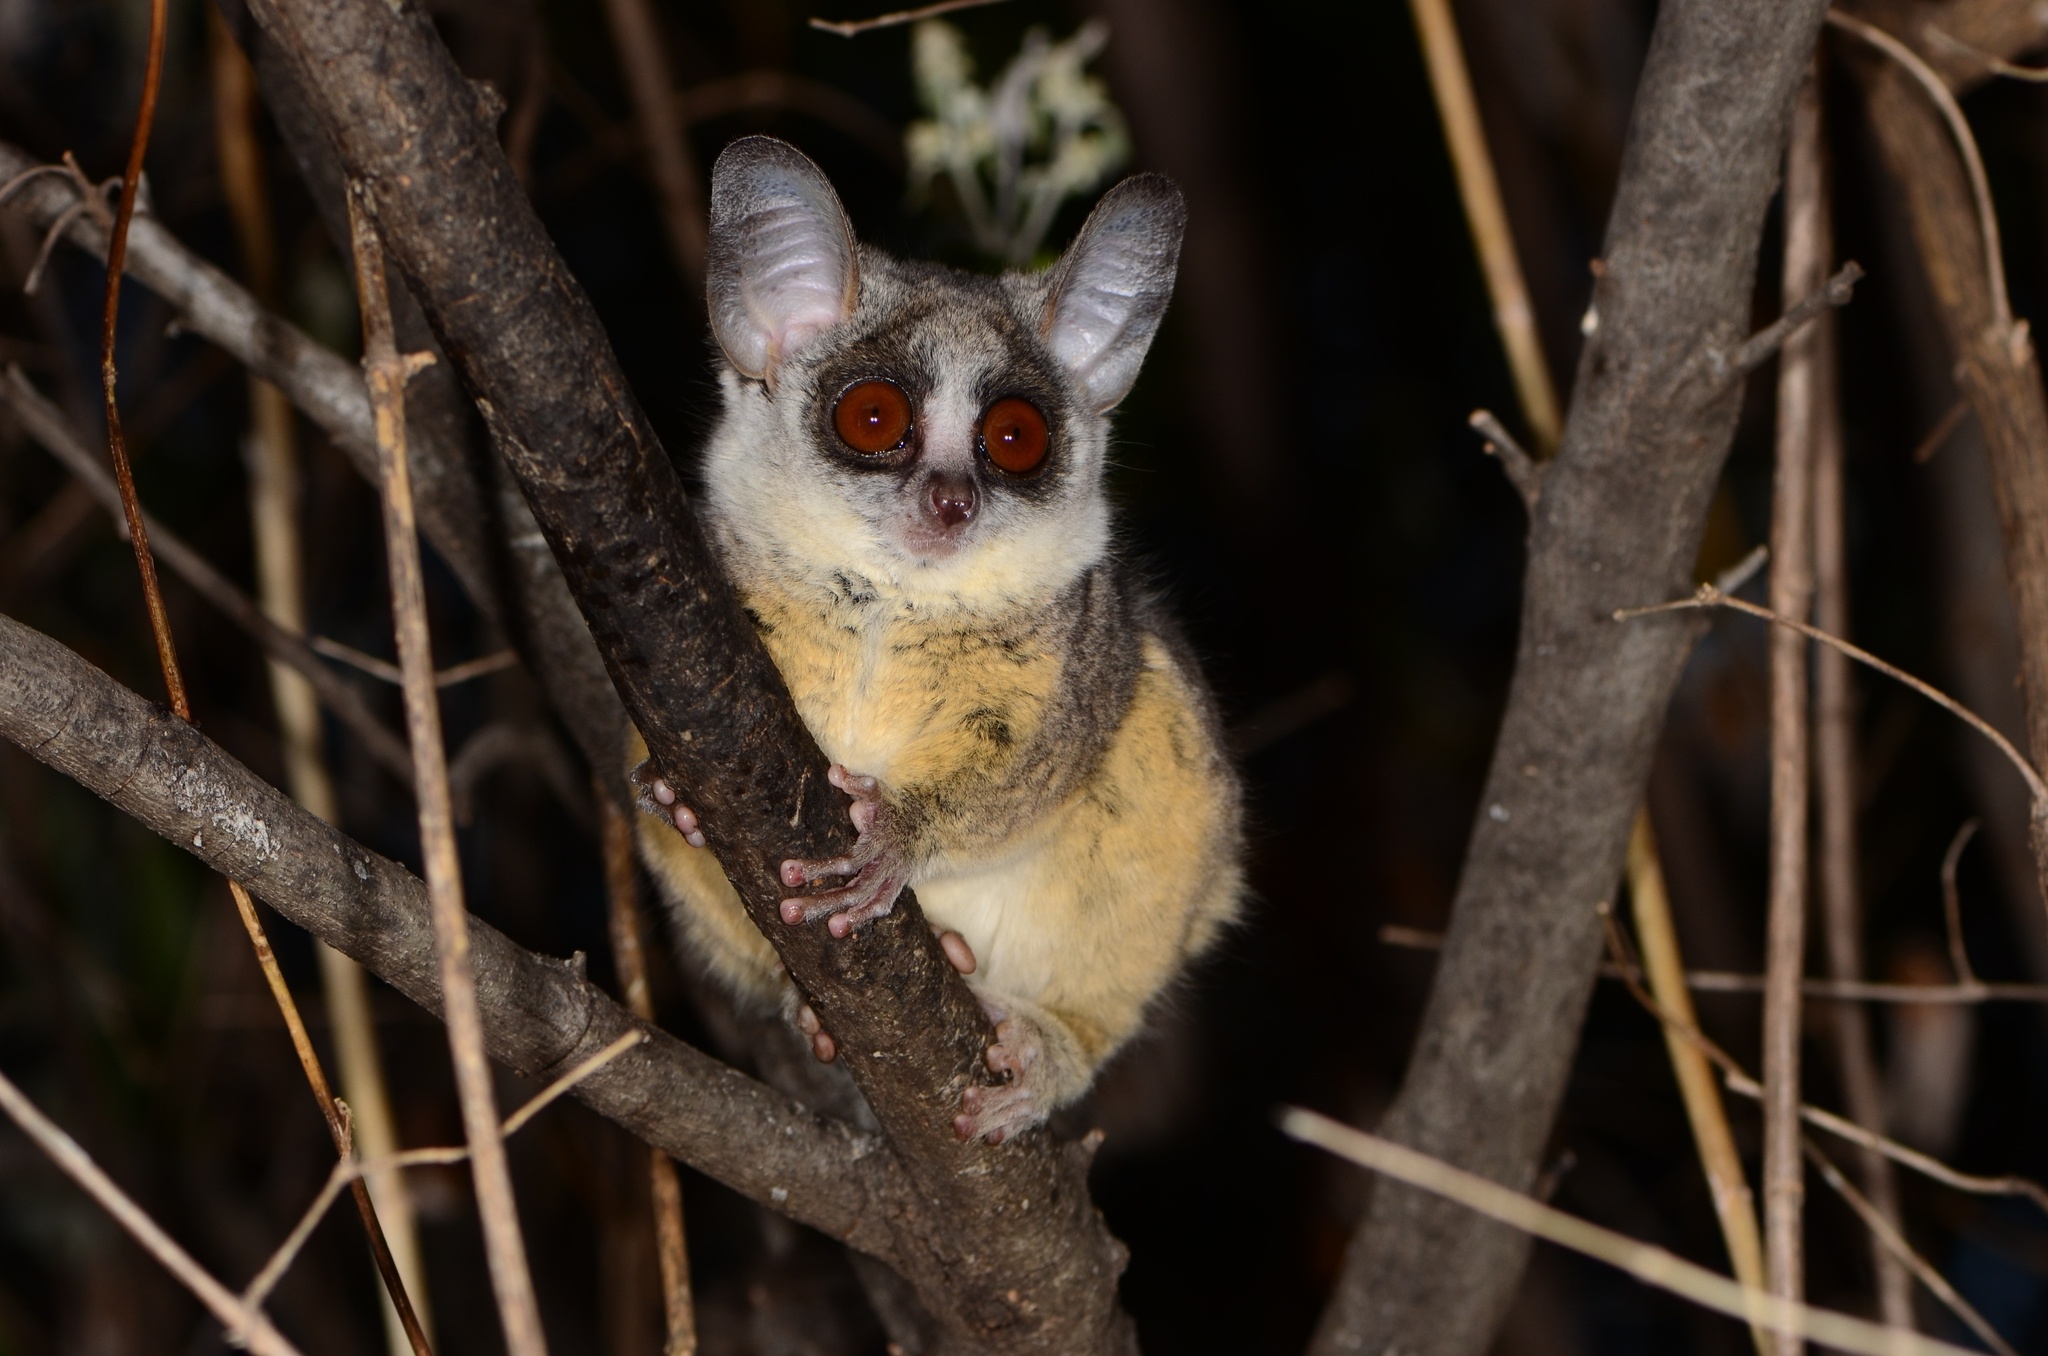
[663, 792]
[839, 925]
[824, 1047]
[792, 873]
[695, 840]
[958, 953]
[792, 911]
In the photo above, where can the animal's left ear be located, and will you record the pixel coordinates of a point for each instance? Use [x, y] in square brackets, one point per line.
[1110, 288]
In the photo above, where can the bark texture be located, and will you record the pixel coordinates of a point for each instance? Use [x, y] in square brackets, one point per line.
[541, 1016]
[1617, 525]
[1005, 1246]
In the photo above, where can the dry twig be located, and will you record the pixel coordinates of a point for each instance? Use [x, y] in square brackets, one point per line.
[246, 1325]
[671, 1242]
[848, 28]
[1646, 1262]
[385, 373]
[637, 39]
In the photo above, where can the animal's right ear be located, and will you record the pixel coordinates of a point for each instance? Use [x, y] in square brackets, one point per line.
[781, 265]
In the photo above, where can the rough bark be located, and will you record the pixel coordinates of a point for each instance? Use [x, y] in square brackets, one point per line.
[1005, 1245]
[541, 1016]
[1995, 361]
[1618, 524]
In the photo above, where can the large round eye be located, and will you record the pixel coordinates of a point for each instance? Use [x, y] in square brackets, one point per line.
[1014, 433]
[872, 417]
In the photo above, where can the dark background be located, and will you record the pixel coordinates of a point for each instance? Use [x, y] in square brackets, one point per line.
[1296, 466]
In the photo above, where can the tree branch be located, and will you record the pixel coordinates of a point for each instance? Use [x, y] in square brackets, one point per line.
[1623, 503]
[541, 1016]
[1007, 1249]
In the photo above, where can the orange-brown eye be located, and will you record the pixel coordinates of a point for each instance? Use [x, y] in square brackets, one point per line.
[1014, 433]
[873, 417]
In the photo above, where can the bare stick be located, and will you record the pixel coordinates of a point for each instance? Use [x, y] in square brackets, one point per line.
[1992, 63]
[387, 672]
[848, 28]
[1740, 1082]
[1938, 436]
[1824, 297]
[1808, 194]
[1647, 1263]
[1521, 469]
[1479, 189]
[637, 38]
[1728, 981]
[44, 422]
[1733, 1204]
[245, 1325]
[349, 1169]
[1959, 128]
[386, 373]
[1791, 594]
[110, 311]
[1710, 596]
[1952, 905]
[271, 454]
[1887, 1235]
[671, 1242]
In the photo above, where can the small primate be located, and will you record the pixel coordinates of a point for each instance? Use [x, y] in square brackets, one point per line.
[906, 487]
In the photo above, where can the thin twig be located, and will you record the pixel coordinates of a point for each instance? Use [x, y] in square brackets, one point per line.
[1992, 63]
[1734, 1206]
[848, 28]
[671, 1241]
[1952, 905]
[1522, 470]
[1842, 991]
[1899, 1250]
[349, 1170]
[1825, 296]
[1709, 596]
[1938, 436]
[45, 423]
[1959, 127]
[388, 672]
[1738, 1081]
[110, 311]
[1647, 1263]
[637, 38]
[386, 373]
[246, 1326]
[1479, 189]
[1791, 595]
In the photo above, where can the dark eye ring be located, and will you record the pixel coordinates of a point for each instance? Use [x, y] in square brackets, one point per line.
[872, 417]
[1014, 435]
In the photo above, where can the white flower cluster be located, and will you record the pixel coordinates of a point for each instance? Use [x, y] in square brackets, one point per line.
[1045, 131]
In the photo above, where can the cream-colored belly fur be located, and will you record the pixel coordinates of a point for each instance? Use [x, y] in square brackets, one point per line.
[1078, 913]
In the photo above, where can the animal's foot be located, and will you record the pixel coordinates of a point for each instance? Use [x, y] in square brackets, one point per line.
[1014, 1105]
[658, 798]
[874, 870]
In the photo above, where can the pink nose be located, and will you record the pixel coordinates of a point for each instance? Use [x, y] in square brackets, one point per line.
[952, 500]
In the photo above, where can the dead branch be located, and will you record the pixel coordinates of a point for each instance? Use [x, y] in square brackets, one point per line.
[1624, 501]
[1644, 1261]
[1522, 470]
[246, 1325]
[850, 28]
[643, 56]
[541, 1016]
[1004, 1274]
[385, 372]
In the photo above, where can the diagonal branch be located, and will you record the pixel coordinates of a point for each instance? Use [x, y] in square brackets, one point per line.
[541, 1016]
[1008, 1251]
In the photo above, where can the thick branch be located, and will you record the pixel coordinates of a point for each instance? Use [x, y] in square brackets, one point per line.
[1622, 509]
[541, 1016]
[1007, 1248]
